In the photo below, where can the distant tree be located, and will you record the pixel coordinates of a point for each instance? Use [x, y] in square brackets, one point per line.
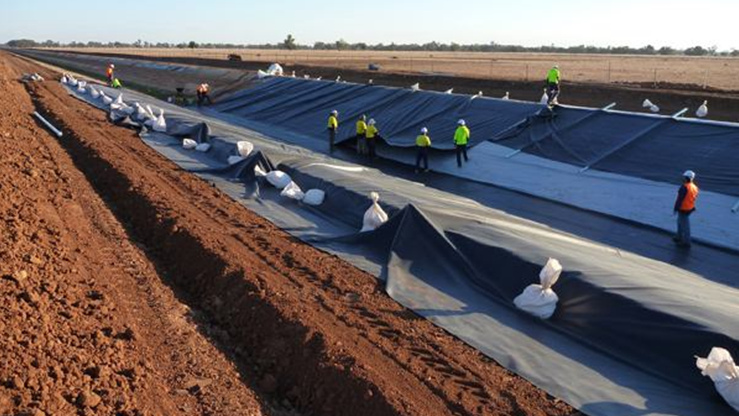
[696, 51]
[289, 42]
[734, 52]
[647, 50]
[341, 44]
[22, 43]
[192, 44]
[666, 50]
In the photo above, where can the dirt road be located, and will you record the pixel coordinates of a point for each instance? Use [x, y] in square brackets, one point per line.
[131, 287]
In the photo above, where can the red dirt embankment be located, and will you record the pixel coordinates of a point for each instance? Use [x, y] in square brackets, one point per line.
[191, 302]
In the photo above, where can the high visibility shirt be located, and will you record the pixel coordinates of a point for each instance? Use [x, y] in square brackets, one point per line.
[361, 127]
[117, 83]
[423, 141]
[109, 72]
[686, 197]
[371, 132]
[553, 76]
[462, 135]
[333, 122]
[203, 89]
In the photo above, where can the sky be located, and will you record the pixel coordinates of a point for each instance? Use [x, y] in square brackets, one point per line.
[635, 23]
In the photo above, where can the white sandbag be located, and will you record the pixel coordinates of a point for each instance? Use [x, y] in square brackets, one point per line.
[127, 110]
[449, 91]
[654, 109]
[203, 147]
[64, 79]
[150, 112]
[95, 93]
[160, 125]
[107, 100]
[73, 82]
[544, 98]
[141, 113]
[646, 103]
[702, 111]
[720, 367]
[261, 74]
[540, 300]
[259, 172]
[275, 70]
[232, 160]
[119, 100]
[81, 89]
[244, 148]
[189, 144]
[293, 191]
[279, 179]
[416, 87]
[375, 216]
[314, 197]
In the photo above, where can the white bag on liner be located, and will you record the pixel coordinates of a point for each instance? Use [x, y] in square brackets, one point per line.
[314, 197]
[106, 99]
[244, 148]
[375, 216]
[275, 70]
[293, 191]
[64, 79]
[702, 111]
[81, 90]
[720, 367]
[160, 125]
[646, 103]
[150, 112]
[279, 179]
[189, 144]
[261, 74]
[540, 300]
[72, 82]
[119, 99]
[95, 93]
[203, 147]
[544, 98]
[232, 160]
[258, 171]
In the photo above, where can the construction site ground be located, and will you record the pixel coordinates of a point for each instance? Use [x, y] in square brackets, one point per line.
[131, 287]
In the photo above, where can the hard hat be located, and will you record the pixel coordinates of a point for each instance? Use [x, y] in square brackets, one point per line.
[372, 122]
[112, 65]
[689, 174]
[556, 67]
[424, 130]
[334, 112]
[461, 122]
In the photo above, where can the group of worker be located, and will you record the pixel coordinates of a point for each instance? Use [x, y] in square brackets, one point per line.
[202, 91]
[113, 82]
[367, 134]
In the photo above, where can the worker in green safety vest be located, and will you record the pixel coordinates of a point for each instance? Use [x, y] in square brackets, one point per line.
[333, 125]
[552, 84]
[461, 138]
[116, 83]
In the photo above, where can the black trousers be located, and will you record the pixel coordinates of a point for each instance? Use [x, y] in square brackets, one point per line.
[331, 139]
[422, 155]
[372, 147]
[461, 150]
[202, 98]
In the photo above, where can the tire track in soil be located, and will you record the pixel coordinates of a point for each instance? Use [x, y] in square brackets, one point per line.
[382, 349]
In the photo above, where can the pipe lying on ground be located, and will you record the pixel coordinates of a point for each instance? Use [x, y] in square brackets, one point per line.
[52, 128]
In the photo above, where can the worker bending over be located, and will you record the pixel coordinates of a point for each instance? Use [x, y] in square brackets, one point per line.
[109, 73]
[362, 135]
[553, 78]
[203, 93]
[333, 125]
[684, 206]
[371, 135]
[423, 142]
[116, 84]
[461, 138]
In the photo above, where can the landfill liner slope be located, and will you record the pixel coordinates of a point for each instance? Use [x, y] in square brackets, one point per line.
[308, 328]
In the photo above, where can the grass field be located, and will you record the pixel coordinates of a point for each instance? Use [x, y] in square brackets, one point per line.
[714, 72]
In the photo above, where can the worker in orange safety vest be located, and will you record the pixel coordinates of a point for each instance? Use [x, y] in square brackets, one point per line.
[684, 207]
[109, 73]
[203, 93]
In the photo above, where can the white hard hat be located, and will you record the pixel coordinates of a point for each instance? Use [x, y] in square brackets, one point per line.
[461, 122]
[112, 65]
[372, 122]
[334, 112]
[689, 174]
[424, 130]
[556, 67]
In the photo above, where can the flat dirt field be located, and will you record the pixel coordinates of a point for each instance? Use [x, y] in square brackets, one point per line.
[711, 72]
[131, 287]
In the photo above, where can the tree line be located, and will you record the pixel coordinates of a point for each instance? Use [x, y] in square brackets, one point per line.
[291, 44]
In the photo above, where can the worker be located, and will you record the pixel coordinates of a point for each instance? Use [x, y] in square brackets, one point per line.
[372, 134]
[423, 142]
[116, 84]
[203, 93]
[109, 74]
[461, 138]
[333, 125]
[553, 78]
[361, 135]
[684, 206]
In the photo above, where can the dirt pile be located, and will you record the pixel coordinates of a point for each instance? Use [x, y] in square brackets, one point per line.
[200, 301]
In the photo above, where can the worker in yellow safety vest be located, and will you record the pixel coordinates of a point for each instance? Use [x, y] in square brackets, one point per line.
[552, 84]
[116, 84]
[461, 138]
[109, 73]
[372, 134]
[203, 93]
[684, 207]
[423, 143]
[333, 125]
[361, 135]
